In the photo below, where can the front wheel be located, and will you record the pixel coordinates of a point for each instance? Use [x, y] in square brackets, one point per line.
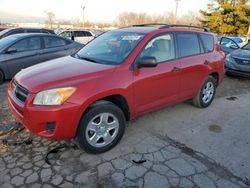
[101, 128]
[206, 94]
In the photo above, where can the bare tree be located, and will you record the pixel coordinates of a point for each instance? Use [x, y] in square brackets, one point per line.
[50, 18]
[131, 18]
[190, 18]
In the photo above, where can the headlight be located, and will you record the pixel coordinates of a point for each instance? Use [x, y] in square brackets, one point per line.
[228, 57]
[53, 96]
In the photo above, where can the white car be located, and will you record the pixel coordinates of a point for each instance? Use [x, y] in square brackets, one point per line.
[82, 36]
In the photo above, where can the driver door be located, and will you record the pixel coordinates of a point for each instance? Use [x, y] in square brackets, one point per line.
[22, 54]
[158, 86]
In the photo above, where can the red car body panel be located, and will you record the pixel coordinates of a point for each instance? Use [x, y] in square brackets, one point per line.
[141, 88]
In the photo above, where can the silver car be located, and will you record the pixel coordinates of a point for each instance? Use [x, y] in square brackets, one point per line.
[82, 36]
[23, 50]
[238, 62]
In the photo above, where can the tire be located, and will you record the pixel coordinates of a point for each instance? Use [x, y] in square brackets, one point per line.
[1, 77]
[209, 88]
[101, 128]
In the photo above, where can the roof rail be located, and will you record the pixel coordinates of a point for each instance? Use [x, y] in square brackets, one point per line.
[162, 26]
[187, 26]
[149, 24]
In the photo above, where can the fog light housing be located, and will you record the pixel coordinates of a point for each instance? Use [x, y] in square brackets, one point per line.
[50, 127]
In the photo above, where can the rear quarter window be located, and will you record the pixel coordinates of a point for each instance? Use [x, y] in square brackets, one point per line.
[208, 42]
[51, 42]
[88, 34]
[188, 44]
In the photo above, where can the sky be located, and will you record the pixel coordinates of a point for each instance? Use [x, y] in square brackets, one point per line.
[95, 10]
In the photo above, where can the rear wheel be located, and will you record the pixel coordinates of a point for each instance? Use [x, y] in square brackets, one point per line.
[101, 128]
[1, 77]
[206, 94]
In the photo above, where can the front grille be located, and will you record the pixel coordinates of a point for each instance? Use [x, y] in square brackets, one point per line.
[19, 91]
[245, 62]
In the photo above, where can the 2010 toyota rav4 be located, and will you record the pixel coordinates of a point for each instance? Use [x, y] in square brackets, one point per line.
[118, 76]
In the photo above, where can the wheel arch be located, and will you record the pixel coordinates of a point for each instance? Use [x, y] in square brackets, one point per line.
[117, 99]
[216, 76]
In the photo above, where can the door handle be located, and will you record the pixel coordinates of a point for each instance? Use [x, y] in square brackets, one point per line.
[206, 62]
[176, 69]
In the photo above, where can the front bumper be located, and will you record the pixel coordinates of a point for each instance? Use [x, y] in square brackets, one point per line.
[237, 72]
[35, 118]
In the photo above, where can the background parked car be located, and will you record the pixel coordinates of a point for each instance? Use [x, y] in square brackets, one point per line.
[3, 28]
[229, 44]
[23, 50]
[82, 36]
[18, 30]
[238, 62]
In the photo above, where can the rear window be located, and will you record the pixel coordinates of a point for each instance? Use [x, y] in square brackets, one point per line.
[188, 44]
[208, 42]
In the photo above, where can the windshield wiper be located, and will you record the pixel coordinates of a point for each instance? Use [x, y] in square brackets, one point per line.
[86, 58]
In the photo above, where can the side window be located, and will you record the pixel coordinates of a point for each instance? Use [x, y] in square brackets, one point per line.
[65, 34]
[88, 34]
[79, 33]
[32, 43]
[188, 44]
[161, 47]
[51, 42]
[208, 42]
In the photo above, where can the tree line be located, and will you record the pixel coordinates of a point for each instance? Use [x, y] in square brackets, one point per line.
[225, 17]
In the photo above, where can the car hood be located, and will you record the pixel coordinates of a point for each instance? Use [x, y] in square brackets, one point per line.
[60, 72]
[242, 54]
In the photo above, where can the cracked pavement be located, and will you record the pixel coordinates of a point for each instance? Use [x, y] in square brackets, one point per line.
[179, 146]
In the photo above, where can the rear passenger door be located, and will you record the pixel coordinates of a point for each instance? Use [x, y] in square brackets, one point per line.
[192, 62]
[54, 47]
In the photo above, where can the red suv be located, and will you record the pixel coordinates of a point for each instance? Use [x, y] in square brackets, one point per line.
[120, 75]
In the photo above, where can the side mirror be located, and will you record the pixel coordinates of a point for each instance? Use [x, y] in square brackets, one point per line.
[147, 61]
[11, 50]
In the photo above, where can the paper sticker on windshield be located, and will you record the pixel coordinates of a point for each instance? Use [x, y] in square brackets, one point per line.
[131, 37]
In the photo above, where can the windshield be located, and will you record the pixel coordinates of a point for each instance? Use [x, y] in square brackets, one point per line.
[246, 47]
[235, 39]
[110, 48]
[6, 41]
